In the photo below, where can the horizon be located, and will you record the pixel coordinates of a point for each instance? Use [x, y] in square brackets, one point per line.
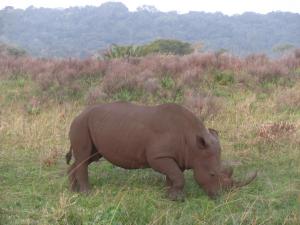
[214, 6]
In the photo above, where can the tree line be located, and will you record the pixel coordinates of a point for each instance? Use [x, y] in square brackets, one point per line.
[82, 31]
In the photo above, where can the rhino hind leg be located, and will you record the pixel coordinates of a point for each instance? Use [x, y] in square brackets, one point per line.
[72, 179]
[84, 153]
[78, 173]
[78, 177]
[174, 176]
[95, 155]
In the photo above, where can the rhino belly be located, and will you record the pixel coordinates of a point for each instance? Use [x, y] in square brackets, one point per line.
[121, 138]
[128, 153]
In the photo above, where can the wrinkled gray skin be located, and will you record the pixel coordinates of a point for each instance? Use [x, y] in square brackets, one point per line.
[168, 138]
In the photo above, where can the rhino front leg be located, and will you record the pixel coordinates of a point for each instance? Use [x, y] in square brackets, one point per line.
[168, 182]
[174, 176]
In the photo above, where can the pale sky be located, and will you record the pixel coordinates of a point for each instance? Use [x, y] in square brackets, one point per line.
[228, 7]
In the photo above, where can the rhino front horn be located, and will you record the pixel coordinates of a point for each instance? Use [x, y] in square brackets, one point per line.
[249, 178]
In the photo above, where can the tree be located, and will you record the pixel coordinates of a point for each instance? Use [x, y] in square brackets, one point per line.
[165, 46]
[283, 48]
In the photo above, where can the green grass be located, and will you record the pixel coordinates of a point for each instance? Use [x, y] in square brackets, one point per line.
[34, 186]
[36, 194]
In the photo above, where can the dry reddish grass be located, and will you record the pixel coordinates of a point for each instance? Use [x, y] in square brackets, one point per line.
[204, 105]
[94, 95]
[288, 99]
[272, 131]
[51, 158]
[134, 72]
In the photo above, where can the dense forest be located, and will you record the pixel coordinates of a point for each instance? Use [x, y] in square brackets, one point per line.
[82, 31]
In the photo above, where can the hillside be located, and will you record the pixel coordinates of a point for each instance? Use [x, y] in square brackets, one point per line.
[80, 31]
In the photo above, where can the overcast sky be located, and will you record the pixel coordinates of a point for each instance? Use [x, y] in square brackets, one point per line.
[226, 6]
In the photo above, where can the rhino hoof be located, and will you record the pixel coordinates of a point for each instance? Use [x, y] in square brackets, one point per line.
[85, 190]
[176, 195]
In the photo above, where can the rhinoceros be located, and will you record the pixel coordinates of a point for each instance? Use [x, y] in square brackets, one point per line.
[167, 138]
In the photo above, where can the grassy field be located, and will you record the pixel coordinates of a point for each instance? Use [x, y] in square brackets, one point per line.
[258, 120]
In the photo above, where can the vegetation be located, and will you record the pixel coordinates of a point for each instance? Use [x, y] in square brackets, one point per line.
[168, 47]
[253, 101]
[11, 50]
[81, 31]
[161, 46]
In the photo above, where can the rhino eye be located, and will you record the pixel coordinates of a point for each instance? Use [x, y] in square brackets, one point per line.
[212, 174]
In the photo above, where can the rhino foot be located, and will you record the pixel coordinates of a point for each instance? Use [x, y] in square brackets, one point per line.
[176, 195]
[85, 190]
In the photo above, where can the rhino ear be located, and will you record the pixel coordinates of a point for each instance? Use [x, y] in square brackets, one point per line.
[201, 143]
[213, 132]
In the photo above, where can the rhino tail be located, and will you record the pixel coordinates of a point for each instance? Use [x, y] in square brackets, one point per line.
[69, 155]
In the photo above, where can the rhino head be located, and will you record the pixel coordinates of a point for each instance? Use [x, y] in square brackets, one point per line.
[209, 172]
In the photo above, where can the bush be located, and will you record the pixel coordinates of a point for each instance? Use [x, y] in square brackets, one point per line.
[11, 50]
[162, 46]
[203, 104]
[95, 95]
[121, 75]
[127, 95]
[117, 51]
[167, 82]
[224, 77]
[160, 75]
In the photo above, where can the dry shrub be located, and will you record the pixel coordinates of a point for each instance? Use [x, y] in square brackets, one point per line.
[262, 68]
[51, 71]
[288, 99]
[148, 81]
[256, 59]
[171, 65]
[115, 83]
[290, 61]
[192, 77]
[151, 62]
[204, 60]
[151, 85]
[227, 61]
[44, 79]
[51, 158]
[265, 69]
[95, 95]
[33, 106]
[145, 72]
[64, 72]
[204, 105]
[120, 75]
[297, 53]
[272, 131]
[244, 79]
[127, 75]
